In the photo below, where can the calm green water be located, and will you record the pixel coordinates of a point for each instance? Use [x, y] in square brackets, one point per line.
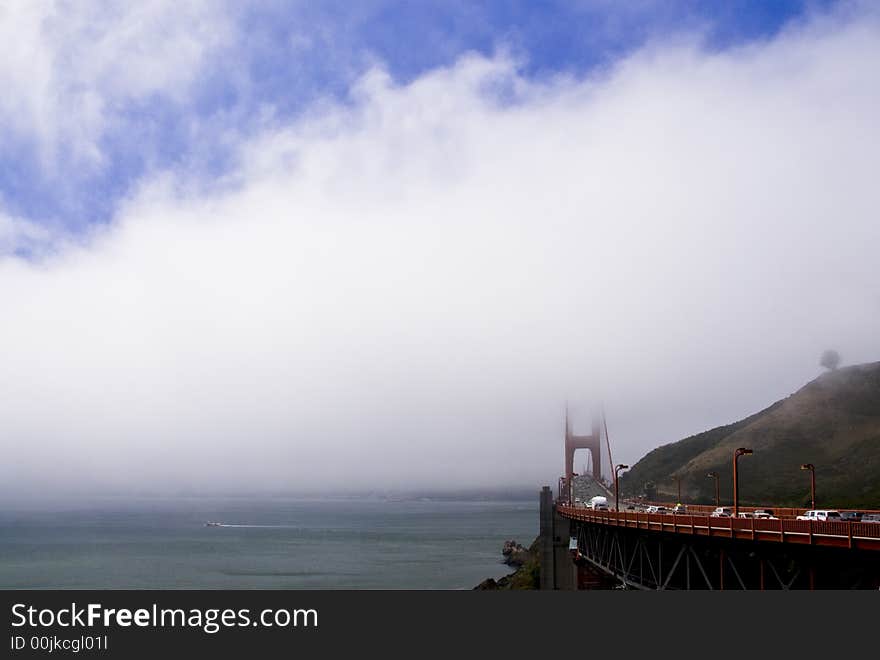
[280, 543]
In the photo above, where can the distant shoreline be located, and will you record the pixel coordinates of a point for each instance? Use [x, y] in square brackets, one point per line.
[500, 495]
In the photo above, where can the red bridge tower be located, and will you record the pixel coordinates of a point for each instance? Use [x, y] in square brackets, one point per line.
[573, 442]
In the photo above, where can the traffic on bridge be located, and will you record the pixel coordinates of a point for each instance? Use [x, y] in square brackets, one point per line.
[587, 530]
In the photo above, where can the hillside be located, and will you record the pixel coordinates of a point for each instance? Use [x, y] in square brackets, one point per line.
[832, 422]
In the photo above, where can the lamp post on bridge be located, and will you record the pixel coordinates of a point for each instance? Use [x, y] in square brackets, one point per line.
[741, 451]
[812, 469]
[617, 469]
[678, 483]
[714, 475]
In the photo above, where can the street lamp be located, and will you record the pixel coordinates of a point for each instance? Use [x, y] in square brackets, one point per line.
[617, 469]
[812, 469]
[678, 483]
[742, 451]
[714, 475]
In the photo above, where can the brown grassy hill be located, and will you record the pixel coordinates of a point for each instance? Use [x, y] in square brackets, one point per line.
[832, 422]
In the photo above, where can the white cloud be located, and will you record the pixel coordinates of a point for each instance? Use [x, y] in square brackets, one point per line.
[68, 70]
[23, 236]
[405, 291]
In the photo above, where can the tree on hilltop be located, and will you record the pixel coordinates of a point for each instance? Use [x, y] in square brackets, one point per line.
[830, 359]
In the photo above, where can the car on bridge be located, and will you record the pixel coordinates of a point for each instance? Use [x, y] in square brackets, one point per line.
[871, 518]
[823, 515]
[679, 508]
[656, 509]
[851, 516]
[764, 514]
[722, 512]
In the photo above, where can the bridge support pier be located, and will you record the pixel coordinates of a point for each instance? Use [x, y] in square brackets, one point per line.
[558, 571]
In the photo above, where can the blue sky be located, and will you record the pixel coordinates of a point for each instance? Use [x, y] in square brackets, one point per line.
[285, 55]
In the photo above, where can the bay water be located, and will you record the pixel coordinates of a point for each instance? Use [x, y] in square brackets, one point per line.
[262, 543]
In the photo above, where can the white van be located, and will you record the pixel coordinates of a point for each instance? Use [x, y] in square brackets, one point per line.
[824, 515]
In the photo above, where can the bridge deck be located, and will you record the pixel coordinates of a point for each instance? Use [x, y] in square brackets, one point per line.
[860, 536]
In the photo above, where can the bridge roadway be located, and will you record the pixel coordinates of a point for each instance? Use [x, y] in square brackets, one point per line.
[694, 550]
[858, 535]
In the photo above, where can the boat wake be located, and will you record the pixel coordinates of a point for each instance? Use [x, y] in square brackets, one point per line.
[220, 524]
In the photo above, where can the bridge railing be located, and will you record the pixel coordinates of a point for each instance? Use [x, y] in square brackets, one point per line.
[779, 511]
[847, 534]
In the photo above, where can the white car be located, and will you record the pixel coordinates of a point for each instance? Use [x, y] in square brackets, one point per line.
[823, 515]
[722, 512]
[871, 517]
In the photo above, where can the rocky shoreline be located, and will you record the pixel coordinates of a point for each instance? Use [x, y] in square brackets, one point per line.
[527, 562]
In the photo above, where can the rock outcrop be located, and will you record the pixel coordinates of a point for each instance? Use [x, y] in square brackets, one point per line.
[527, 574]
[514, 553]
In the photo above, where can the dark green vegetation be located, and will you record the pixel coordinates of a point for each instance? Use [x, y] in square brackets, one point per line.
[832, 422]
[526, 577]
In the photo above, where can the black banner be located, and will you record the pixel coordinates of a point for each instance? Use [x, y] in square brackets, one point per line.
[238, 624]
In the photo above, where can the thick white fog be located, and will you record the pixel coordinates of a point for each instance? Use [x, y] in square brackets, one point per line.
[404, 291]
